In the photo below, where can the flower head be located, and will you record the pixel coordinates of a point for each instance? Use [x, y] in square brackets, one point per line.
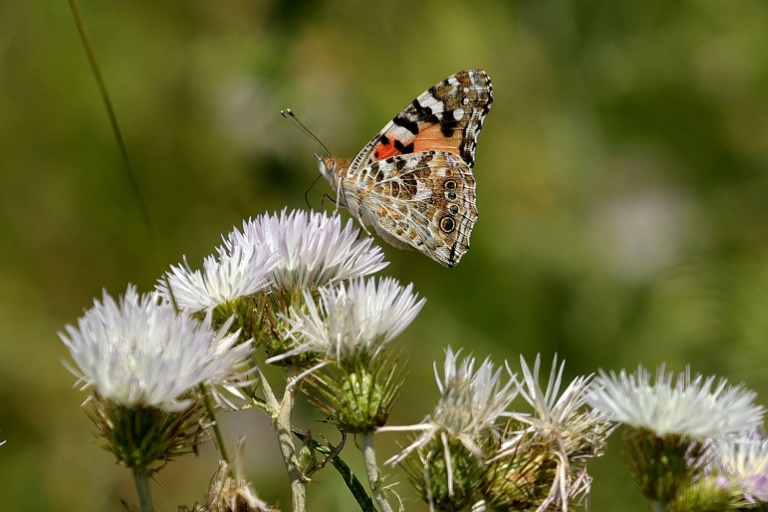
[555, 413]
[682, 406]
[313, 248]
[673, 420]
[239, 272]
[140, 353]
[352, 319]
[542, 460]
[449, 451]
[470, 404]
[745, 462]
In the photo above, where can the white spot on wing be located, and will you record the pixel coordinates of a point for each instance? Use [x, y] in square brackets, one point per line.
[423, 192]
[433, 103]
[458, 113]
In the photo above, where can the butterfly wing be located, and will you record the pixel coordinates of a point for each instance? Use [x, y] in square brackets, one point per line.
[413, 181]
[446, 117]
[423, 201]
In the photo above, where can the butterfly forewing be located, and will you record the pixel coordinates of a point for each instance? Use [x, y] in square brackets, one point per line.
[448, 117]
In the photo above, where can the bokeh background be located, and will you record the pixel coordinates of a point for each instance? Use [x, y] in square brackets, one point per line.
[622, 189]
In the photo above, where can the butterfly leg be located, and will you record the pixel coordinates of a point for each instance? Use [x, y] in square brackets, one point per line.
[332, 200]
[339, 194]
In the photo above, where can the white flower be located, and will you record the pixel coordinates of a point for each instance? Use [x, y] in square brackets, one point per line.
[683, 407]
[139, 352]
[558, 423]
[353, 318]
[469, 405]
[237, 273]
[552, 411]
[313, 249]
[746, 461]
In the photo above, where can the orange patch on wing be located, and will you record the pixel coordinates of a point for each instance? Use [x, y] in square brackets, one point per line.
[432, 139]
[429, 138]
[383, 151]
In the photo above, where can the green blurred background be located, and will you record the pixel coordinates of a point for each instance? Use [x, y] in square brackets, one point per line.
[622, 189]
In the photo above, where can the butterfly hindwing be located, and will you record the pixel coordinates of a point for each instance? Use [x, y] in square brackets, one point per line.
[423, 201]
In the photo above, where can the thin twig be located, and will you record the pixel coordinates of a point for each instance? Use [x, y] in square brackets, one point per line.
[115, 126]
[214, 424]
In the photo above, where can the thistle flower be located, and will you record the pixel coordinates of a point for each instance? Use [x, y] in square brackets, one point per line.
[237, 273]
[141, 353]
[542, 461]
[686, 407]
[144, 363]
[709, 484]
[673, 419]
[353, 319]
[346, 332]
[449, 450]
[313, 249]
[560, 418]
[744, 462]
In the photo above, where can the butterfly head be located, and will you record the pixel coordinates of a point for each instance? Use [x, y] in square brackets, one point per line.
[331, 167]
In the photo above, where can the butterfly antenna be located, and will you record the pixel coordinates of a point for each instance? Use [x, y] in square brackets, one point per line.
[289, 115]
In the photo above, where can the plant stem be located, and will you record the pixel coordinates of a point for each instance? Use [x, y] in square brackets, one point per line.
[143, 211]
[215, 424]
[353, 484]
[281, 414]
[141, 479]
[374, 475]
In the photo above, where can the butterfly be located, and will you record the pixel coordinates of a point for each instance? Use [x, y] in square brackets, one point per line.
[413, 181]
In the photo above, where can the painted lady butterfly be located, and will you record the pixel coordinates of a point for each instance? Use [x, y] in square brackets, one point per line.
[413, 182]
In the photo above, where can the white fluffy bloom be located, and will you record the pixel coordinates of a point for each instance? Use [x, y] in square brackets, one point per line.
[560, 421]
[470, 404]
[676, 406]
[139, 352]
[353, 318]
[237, 273]
[552, 410]
[746, 461]
[313, 248]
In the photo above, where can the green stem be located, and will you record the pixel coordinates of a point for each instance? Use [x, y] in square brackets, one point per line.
[353, 484]
[115, 126]
[374, 475]
[141, 479]
[215, 424]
